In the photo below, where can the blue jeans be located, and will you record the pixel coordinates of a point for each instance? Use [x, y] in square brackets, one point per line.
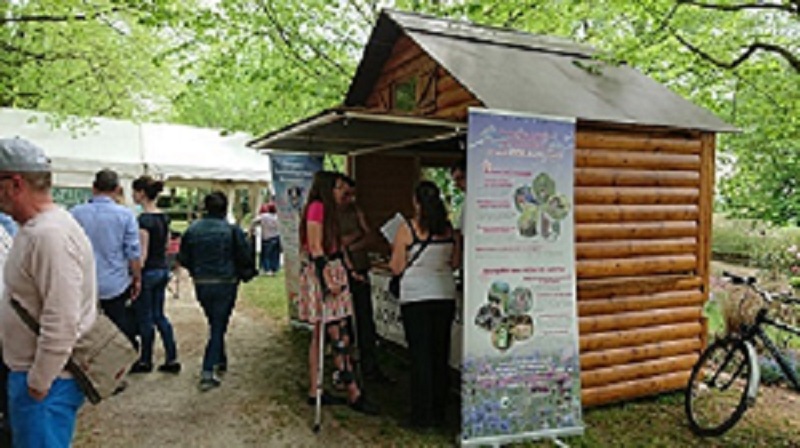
[217, 301]
[149, 307]
[49, 423]
[271, 254]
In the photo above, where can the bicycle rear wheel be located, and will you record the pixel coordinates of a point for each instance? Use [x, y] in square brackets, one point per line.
[716, 396]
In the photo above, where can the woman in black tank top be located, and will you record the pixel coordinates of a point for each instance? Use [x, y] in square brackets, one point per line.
[427, 321]
[149, 306]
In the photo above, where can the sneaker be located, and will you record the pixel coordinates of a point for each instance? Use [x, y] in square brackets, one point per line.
[120, 388]
[327, 400]
[141, 367]
[363, 406]
[208, 382]
[221, 368]
[170, 367]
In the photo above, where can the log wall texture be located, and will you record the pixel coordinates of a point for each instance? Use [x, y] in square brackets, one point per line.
[642, 217]
[643, 202]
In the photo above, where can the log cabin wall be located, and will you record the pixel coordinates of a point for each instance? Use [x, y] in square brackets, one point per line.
[643, 201]
[643, 223]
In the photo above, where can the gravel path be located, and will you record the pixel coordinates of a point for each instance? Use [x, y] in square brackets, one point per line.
[163, 410]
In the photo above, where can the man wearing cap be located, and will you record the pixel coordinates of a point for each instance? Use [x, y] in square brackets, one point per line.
[114, 234]
[50, 272]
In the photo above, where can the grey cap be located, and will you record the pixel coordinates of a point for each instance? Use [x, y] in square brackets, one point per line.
[18, 155]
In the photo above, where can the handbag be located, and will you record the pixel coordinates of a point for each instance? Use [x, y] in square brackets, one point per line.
[100, 359]
[244, 263]
[394, 283]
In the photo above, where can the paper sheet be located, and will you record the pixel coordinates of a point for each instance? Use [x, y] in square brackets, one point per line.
[389, 228]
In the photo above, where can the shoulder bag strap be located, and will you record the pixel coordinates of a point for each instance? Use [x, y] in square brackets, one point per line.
[26, 317]
[421, 247]
[31, 323]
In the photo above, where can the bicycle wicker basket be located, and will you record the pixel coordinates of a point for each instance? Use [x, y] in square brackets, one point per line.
[739, 307]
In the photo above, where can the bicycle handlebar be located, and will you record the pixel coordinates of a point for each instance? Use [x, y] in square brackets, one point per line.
[751, 282]
[766, 295]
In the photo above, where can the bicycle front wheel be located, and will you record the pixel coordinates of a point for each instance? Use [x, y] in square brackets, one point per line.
[716, 396]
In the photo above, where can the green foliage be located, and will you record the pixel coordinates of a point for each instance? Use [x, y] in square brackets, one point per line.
[757, 244]
[103, 57]
[452, 196]
[259, 65]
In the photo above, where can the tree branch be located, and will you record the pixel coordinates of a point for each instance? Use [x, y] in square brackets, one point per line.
[749, 51]
[51, 18]
[792, 8]
[305, 65]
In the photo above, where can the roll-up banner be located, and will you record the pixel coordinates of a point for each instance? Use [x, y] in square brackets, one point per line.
[292, 176]
[520, 373]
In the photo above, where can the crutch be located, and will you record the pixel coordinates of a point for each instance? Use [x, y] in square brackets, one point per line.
[320, 369]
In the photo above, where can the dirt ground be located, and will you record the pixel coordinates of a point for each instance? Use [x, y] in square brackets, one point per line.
[163, 410]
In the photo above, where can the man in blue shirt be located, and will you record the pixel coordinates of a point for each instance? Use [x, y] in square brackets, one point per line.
[8, 224]
[114, 234]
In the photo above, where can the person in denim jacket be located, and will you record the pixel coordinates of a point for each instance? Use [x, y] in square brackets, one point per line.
[207, 252]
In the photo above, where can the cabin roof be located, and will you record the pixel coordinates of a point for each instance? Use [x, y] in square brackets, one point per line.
[517, 71]
[505, 69]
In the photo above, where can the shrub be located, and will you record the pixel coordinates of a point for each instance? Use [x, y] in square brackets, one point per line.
[756, 244]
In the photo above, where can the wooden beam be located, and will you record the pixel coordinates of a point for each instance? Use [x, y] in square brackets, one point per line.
[634, 248]
[635, 230]
[638, 371]
[637, 319]
[639, 336]
[602, 288]
[656, 301]
[453, 97]
[594, 213]
[635, 388]
[585, 158]
[636, 195]
[604, 177]
[616, 267]
[707, 177]
[634, 142]
[627, 355]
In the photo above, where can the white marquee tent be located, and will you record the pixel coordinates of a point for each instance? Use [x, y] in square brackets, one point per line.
[180, 155]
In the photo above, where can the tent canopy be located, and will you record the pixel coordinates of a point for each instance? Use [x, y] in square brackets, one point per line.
[177, 154]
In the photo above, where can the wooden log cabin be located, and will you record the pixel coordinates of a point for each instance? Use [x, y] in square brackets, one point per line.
[644, 175]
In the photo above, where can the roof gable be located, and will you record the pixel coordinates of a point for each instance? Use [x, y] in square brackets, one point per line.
[517, 71]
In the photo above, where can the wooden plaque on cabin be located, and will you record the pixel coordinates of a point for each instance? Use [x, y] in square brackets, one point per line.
[426, 92]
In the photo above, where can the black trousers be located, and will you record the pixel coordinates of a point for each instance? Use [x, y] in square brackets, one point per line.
[427, 326]
[365, 322]
[118, 311]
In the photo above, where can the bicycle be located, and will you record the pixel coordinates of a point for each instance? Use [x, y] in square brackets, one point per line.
[724, 382]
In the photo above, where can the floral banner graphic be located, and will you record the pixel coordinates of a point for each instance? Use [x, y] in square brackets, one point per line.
[521, 369]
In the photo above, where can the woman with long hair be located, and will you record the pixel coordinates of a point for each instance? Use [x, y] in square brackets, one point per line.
[323, 284]
[425, 252]
[149, 306]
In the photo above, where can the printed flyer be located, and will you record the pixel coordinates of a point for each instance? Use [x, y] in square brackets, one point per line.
[292, 175]
[521, 369]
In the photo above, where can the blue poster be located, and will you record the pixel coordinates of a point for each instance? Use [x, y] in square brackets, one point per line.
[521, 367]
[292, 176]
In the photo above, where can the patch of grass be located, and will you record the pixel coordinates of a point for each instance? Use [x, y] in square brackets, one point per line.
[268, 294]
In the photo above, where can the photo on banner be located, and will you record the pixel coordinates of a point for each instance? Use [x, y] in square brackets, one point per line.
[521, 367]
[292, 176]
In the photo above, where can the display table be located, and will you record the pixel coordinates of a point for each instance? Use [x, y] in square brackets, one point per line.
[389, 324]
